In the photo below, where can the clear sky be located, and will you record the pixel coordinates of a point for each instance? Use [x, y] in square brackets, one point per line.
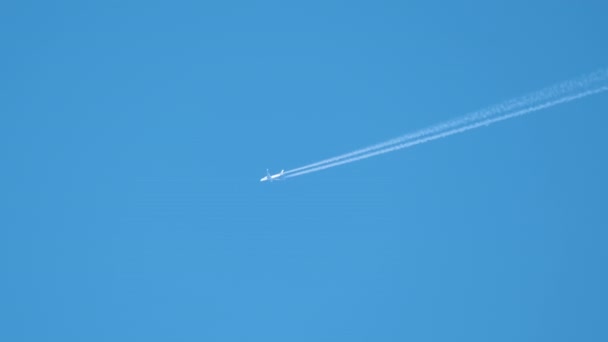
[133, 135]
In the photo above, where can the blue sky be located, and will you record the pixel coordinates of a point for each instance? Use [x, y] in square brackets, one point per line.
[133, 135]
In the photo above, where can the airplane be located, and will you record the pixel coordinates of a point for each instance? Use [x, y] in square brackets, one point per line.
[268, 177]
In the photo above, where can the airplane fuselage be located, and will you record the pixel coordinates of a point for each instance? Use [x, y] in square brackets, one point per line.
[271, 178]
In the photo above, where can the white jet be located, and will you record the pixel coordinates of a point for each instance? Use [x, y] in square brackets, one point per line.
[268, 177]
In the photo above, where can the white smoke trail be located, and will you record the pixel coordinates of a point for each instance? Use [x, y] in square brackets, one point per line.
[456, 130]
[523, 101]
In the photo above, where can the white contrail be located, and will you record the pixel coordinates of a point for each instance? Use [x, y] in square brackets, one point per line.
[520, 102]
[447, 133]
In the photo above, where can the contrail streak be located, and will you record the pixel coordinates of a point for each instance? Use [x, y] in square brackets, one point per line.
[450, 132]
[507, 106]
